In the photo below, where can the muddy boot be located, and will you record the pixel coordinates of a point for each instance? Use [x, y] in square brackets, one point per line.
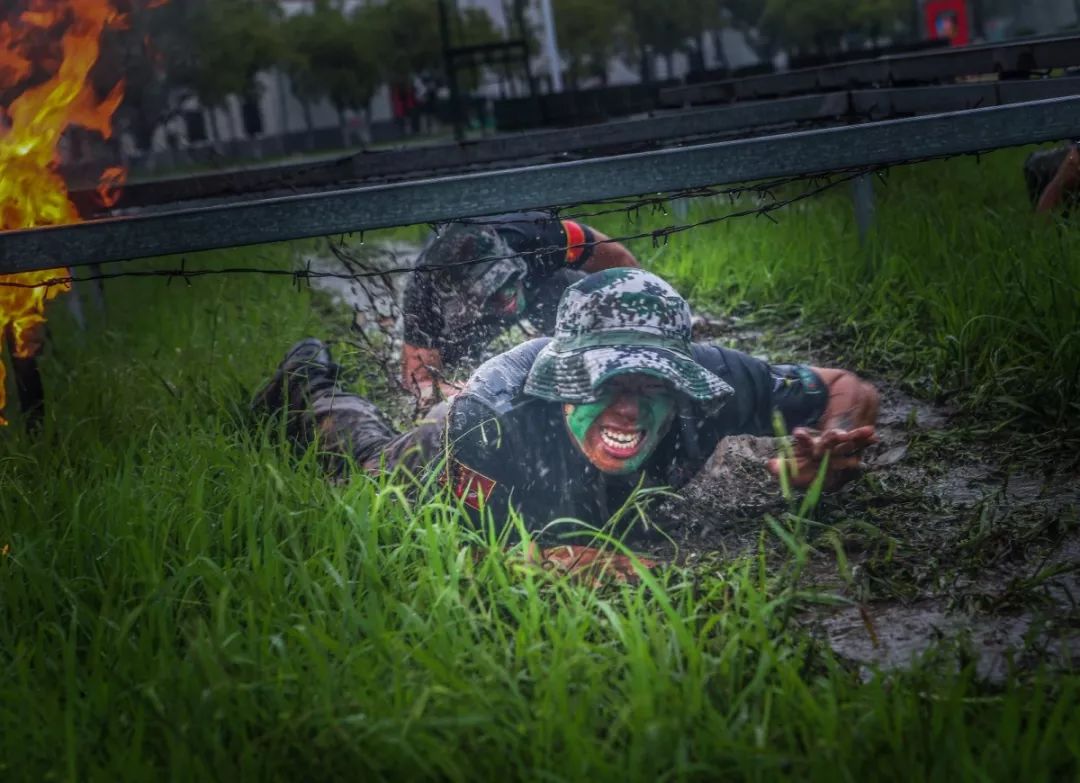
[306, 371]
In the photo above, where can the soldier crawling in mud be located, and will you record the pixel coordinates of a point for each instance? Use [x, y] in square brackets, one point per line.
[1053, 178]
[456, 303]
[567, 427]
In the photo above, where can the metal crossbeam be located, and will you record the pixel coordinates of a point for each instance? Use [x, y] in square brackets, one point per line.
[522, 148]
[908, 101]
[406, 203]
[899, 69]
[555, 145]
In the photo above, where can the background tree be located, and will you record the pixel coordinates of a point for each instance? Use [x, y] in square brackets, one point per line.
[802, 27]
[332, 56]
[138, 54]
[300, 37]
[658, 28]
[407, 37]
[230, 42]
[822, 26]
[875, 18]
[588, 32]
[472, 26]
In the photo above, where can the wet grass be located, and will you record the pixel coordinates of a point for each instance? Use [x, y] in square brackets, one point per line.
[184, 597]
[963, 293]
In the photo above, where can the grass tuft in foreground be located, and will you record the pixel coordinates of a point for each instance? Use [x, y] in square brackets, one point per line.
[183, 596]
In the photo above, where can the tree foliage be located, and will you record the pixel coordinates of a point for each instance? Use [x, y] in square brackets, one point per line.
[229, 42]
[822, 25]
[408, 39]
[215, 48]
[331, 55]
[586, 33]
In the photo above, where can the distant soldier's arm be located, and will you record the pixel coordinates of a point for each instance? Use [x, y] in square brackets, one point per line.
[587, 250]
[1065, 181]
[607, 254]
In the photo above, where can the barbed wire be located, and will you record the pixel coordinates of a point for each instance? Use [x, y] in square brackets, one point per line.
[762, 191]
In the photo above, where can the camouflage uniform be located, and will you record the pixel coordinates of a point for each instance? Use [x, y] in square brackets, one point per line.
[447, 297]
[347, 427]
[503, 443]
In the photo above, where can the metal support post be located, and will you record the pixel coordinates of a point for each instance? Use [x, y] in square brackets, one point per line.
[862, 193]
[451, 72]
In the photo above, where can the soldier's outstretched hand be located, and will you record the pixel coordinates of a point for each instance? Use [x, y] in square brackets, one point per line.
[810, 447]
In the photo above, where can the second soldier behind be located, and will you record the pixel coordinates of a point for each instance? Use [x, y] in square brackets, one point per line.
[476, 278]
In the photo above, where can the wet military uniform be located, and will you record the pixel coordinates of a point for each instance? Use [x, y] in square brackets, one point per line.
[447, 298]
[503, 443]
[514, 449]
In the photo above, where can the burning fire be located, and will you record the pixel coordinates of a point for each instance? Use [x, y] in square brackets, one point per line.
[32, 193]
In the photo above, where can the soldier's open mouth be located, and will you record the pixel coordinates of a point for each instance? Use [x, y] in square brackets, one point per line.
[621, 444]
[504, 305]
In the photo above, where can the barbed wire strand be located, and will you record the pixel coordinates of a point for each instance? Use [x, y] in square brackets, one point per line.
[819, 185]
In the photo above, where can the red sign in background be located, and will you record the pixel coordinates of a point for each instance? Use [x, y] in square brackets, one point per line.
[948, 19]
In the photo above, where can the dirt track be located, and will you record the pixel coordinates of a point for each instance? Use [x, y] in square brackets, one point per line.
[941, 539]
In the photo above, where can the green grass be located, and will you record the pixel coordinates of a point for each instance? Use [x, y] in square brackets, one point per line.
[183, 597]
[963, 293]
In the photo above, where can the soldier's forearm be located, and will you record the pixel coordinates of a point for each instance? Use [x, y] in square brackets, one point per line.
[852, 401]
[1051, 197]
[419, 365]
[608, 255]
[1066, 179]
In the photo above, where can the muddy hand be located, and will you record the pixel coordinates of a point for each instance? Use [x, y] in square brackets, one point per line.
[843, 447]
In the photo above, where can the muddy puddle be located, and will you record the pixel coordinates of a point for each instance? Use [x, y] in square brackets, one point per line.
[943, 547]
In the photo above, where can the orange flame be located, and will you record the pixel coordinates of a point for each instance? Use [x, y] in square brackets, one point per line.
[32, 193]
[109, 186]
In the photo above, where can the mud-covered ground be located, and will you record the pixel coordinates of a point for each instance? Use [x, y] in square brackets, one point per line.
[948, 535]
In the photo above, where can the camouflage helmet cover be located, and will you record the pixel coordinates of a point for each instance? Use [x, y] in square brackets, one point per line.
[462, 281]
[618, 322]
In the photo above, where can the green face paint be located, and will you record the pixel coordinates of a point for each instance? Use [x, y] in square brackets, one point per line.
[510, 292]
[654, 414]
[581, 417]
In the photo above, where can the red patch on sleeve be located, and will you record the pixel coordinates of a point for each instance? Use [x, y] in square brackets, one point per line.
[575, 241]
[473, 488]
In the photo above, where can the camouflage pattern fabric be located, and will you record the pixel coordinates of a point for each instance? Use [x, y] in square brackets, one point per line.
[348, 429]
[617, 322]
[462, 286]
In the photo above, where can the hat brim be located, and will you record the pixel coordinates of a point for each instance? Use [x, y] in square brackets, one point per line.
[575, 376]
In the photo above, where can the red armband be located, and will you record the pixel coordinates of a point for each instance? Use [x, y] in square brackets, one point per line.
[473, 487]
[575, 241]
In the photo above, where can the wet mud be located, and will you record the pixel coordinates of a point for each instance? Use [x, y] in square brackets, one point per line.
[944, 544]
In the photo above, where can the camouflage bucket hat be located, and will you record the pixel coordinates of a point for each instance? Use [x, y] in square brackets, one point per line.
[618, 322]
[456, 251]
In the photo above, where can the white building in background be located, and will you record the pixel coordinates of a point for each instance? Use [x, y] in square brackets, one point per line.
[282, 114]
